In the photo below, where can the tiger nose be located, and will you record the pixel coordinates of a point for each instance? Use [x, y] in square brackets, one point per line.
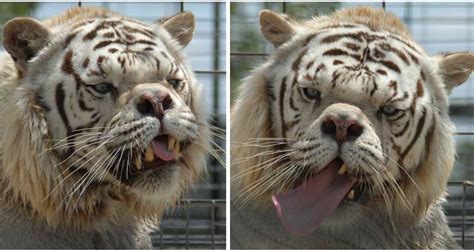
[342, 128]
[154, 103]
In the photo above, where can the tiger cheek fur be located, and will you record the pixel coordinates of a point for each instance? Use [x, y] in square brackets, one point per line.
[345, 88]
[123, 130]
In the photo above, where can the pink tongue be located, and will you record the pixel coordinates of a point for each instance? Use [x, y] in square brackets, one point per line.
[160, 149]
[302, 209]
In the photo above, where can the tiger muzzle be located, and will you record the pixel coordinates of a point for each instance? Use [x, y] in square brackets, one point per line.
[342, 122]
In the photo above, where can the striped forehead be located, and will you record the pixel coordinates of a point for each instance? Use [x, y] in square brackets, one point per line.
[118, 49]
[355, 62]
[114, 28]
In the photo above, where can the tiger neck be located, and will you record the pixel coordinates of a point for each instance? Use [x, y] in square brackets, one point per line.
[97, 215]
[264, 224]
[260, 227]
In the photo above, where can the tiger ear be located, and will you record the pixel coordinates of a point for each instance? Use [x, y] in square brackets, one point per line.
[180, 26]
[23, 38]
[455, 68]
[275, 28]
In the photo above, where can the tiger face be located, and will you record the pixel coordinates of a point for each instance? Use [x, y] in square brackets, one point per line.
[129, 114]
[121, 105]
[356, 115]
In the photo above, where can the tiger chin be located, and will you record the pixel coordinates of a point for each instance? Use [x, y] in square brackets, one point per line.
[342, 138]
[102, 128]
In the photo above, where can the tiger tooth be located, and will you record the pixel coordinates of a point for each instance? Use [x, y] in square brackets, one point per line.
[171, 142]
[138, 163]
[176, 148]
[351, 193]
[149, 155]
[342, 170]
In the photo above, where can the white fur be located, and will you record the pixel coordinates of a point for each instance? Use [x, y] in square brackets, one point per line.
[43, 193]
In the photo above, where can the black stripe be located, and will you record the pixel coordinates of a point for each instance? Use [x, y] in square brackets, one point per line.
[269, 90]
[291, 124]
[292, 104]
[69, 38]
[104, 25]
[297, 62]
[398, 134]
[282, 115]
[419, 128]
[340, 26]
[352, 46]
[83, 106]
[133, 129]
[122, 42]
[336, 37]
[368, 152]
[403, 98]
[404, 42]
[95, 115]
[374, 88]
[400, 54]
[60, 96]
[309, 148]
[390, 65]
[382, 72]
[335, 76]
[40, 101]
[335, 52]
[413, 58]
[145, 32]
[60, 104]
[397, 118]
[339, 52]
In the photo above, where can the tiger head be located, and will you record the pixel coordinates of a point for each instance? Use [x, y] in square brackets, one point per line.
[349, 113]
[105, 119]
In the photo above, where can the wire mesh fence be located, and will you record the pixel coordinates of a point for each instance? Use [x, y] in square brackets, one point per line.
[187, 229]
[438, 27]
[460, 212]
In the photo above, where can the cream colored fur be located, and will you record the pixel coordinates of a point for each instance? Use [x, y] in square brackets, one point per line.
[33, 180]
[406, 219]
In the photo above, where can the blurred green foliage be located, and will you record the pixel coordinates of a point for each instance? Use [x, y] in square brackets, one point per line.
[9, 10]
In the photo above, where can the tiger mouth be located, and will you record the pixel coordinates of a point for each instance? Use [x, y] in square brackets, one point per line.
[161, 150]
[302, 209]
[358, 191]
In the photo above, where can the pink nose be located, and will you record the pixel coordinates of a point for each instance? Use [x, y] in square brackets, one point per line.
[341, 128]
[154, 103]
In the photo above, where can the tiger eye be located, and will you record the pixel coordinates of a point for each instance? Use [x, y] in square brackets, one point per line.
[175, 83]
[311, 93]
[103, 88]
[389, 110]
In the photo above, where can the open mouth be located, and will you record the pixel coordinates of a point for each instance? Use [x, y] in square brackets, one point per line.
[161, 150]
[302, 209]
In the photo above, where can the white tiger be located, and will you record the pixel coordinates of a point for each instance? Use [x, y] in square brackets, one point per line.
[102, 128]
[345, 131]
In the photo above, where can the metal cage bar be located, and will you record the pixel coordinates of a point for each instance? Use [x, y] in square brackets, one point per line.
[196, 233]
[463, 229]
